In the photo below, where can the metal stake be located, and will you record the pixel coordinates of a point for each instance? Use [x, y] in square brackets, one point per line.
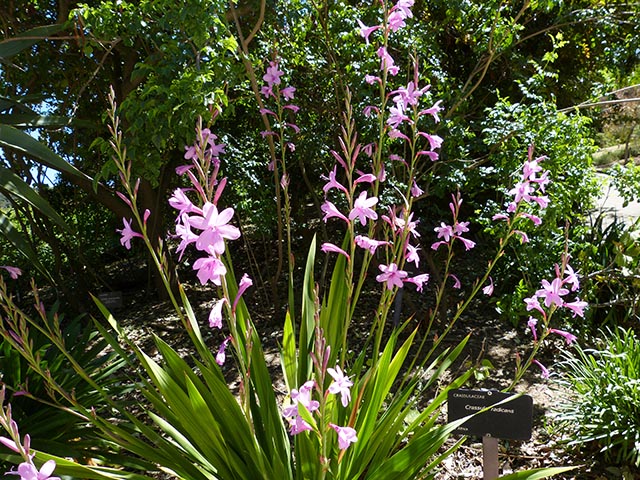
[490, 467]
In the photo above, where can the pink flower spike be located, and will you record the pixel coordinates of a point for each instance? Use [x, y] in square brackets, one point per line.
[545, 371]
[245, 283]
[346, 436]
[532, 325]
[569, 337]
[391, 275]
[362, 208]
[127, 234]
[341, 384]
[577, 307]
[488, 290]
[215, 316]
[330, 210]
[14, 272]
[221, 356]
[330, 247]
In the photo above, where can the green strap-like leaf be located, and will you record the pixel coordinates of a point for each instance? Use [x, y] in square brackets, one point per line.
[33, 120]
[15, 45]
[16, 139]
[13, 185]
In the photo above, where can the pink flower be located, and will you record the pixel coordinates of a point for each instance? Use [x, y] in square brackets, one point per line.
[577, 307]
[362, 208]
[456, 281]
[215, 228]
[416, 191]
[411, 255]
[210, 269]
[397, 116]
[14, 272]
[221, 356]
[183, 231]
[552, 292]
[488, 290]
[569, 337]
[330, 210]
[298, 425]
[545, 371]
[391, 275]
[346, 436]
[532, 325]
[272, 77]
[181, 202]
[303, 396]
[333, 183]
[444, 231]
[341, 384]
[533, 304]
[127, 234]
[330, 247]
[571, 278]
[387, 64]
[28, 471]
[433, 111]
[366, 31]
[245, 282]
[369, 243]
[418, 281]
[288, 92]
[215, 316]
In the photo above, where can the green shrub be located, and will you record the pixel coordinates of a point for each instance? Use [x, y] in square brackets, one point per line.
[604, 410]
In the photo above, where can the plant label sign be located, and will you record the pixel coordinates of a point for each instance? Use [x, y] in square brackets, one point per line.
[511, 420]
[111, 300]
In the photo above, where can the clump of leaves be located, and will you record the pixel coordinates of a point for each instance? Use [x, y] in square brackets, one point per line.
[604, 410]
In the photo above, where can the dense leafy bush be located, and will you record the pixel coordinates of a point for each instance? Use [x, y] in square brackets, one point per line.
[604, 410]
